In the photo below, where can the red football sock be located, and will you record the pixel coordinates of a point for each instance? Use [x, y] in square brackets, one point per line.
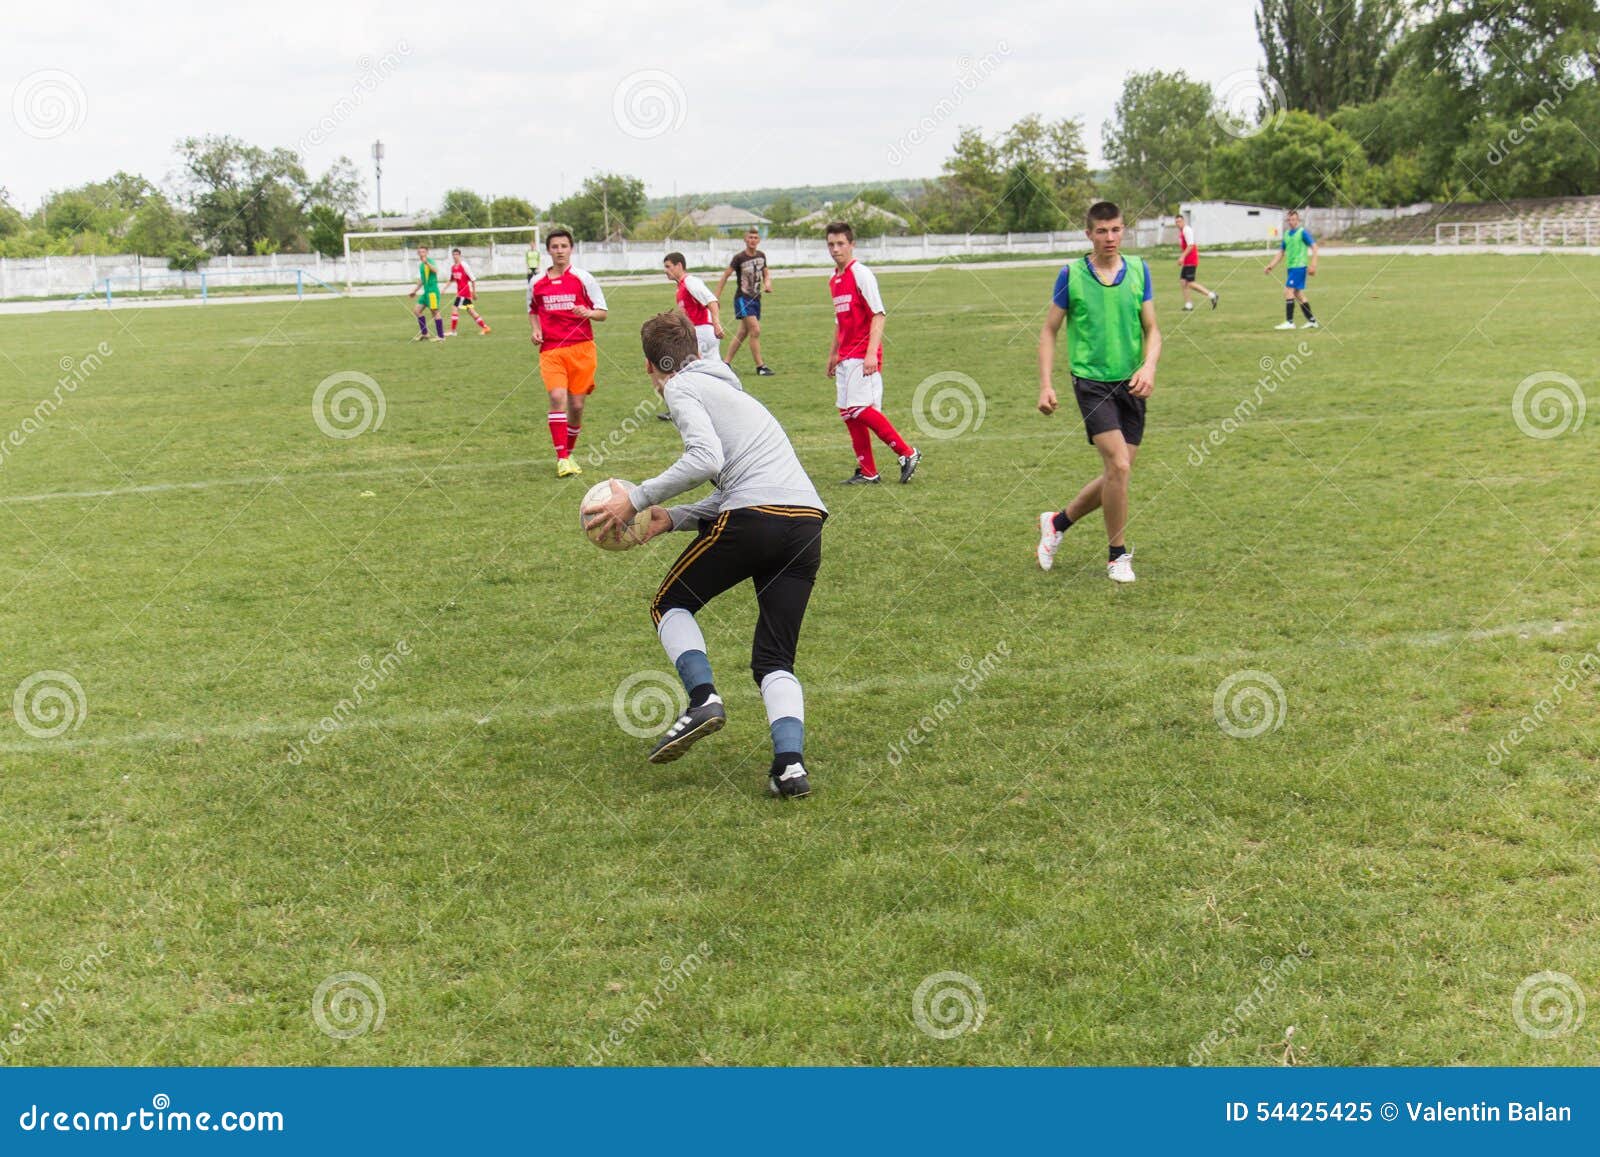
[558, 432]
[861, 441]
[479, 319]
[455, 316]
[572, 436]
[873, 419]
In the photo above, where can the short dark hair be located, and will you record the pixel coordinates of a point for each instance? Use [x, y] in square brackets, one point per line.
[455, 251]
[840, 229]
[1101, 211]
[675, 258]
[554, 233]
[1293, 213]
[669, 340]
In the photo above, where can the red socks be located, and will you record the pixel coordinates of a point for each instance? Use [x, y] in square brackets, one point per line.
[572, 437]
[861, 441]
[873, 419]
[560, 437]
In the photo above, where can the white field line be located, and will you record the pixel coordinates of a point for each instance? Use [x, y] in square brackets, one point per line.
[652, 452]
[1421, 640]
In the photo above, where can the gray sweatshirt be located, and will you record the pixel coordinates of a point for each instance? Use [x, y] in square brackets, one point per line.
[729, 440]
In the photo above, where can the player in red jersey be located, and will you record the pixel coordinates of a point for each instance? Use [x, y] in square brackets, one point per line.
[466, 285]
[856, 363]
[699, 304]
[562, 305]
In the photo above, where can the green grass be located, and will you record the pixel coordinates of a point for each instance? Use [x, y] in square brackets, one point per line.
[1079, 836]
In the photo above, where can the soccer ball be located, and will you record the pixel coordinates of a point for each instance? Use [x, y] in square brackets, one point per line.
[610, 539]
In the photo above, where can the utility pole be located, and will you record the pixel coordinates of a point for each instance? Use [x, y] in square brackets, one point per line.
[377, 170]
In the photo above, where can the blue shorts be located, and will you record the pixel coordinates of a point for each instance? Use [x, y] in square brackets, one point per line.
[1297, 278]
[744, 307]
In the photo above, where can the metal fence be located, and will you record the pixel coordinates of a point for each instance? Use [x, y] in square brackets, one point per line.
[1546, 232]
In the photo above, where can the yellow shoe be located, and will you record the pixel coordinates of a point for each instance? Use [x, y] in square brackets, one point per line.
[565, 467]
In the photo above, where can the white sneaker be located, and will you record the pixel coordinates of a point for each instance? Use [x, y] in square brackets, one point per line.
[1049, 539]
[1121, 571]
[1313, 325]
[1187, 306]
[1284, 325]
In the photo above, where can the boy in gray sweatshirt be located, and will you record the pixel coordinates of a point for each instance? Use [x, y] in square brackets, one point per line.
[762, 521]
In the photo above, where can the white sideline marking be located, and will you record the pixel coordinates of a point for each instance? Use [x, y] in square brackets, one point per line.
[1419, 639]
[816, 443]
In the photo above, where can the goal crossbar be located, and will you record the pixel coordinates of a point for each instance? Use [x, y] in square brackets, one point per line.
[348, 237]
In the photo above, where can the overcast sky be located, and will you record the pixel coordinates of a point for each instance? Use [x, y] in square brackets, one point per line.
[529, 98]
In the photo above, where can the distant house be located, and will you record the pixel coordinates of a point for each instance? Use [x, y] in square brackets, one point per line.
[1225, 222]
[726, 219]
[865, 218]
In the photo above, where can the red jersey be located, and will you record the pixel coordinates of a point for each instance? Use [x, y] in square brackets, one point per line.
[553, 298]
[855, 301]
[695, 298]
[462, 276]
[1191, 251]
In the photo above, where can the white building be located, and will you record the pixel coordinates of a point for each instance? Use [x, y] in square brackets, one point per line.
[1227, 222]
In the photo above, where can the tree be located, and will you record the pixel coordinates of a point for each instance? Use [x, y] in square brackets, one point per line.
[157, 228]
[1159, 141]
[461, 209]
[1324, 54]
[782, 211]
[1513, 55]
[512, 211]
[245, 199]
[607, 205]
[1298, 160]
[327, 230]
[1411, 136]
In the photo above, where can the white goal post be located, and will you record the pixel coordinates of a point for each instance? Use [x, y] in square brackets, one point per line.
[530, 231]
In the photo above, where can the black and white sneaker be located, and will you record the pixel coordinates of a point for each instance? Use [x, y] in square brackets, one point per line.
[693, 725]
[764, 371]
[860, 479]
[908, 464]
[788, 782]
[664, 415]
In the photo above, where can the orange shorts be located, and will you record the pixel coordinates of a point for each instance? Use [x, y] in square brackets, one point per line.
[569, 368]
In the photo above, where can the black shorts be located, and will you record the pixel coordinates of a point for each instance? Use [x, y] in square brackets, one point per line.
[1109, 406]
[779, 548]
[1186, 272]
[462, 299]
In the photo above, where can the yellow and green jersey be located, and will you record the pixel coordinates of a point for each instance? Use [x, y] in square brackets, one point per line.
[428, 275]
[1105, 328]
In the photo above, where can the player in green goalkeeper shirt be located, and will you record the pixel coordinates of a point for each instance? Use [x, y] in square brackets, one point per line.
[427, 293]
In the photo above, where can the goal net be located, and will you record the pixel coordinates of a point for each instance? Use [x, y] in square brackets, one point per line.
[389, 256]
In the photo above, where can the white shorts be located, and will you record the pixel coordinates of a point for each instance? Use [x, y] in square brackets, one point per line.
[710, 344]
[856, 388]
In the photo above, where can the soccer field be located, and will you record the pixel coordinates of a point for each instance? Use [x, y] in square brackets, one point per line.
[1158, 824]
